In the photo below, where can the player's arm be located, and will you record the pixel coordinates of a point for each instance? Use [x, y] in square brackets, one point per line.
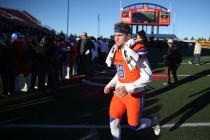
[145, 78]
[111, 84]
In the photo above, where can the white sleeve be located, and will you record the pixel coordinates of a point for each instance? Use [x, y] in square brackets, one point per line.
[145, 76]
[113, 82]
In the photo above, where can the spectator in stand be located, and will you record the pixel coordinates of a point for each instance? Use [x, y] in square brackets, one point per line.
[196, 53]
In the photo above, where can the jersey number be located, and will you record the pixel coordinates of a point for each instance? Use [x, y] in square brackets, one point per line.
[120, 71]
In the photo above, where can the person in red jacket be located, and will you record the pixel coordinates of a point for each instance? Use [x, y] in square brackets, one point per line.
[65, 56]
[23, 63]
[73, 57]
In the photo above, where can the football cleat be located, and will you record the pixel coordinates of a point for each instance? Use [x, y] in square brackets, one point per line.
[156, 125]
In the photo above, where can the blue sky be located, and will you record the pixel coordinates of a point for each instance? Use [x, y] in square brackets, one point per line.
[192, 17]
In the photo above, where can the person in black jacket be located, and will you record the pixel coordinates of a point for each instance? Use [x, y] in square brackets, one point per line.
[43, 53]
[8, 66]
[84, 48]
[173, 61]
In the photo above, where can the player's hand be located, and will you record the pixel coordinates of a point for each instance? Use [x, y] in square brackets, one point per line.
[120, 91]
[107, 89]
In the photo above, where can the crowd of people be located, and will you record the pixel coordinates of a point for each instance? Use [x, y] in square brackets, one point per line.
[47, 60]
[44, 58]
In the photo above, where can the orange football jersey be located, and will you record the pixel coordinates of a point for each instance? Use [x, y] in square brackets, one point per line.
[125, 75]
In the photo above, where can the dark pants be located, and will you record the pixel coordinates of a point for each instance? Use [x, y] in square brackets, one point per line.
[196, 56]
[84, 65]
[58, 69]
[43, 72]
[173, 69]
[8, 78]
[102, 59]
[34, 74]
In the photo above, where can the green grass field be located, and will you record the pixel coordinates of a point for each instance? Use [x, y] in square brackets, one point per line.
[184, 107]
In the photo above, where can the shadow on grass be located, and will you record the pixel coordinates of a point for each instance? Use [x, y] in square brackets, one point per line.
[205, 62]
[189, 109]
[180, 82]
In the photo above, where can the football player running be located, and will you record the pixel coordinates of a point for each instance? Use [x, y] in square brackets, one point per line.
[128, 85]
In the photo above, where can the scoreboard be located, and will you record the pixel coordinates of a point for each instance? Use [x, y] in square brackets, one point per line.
[146, 16]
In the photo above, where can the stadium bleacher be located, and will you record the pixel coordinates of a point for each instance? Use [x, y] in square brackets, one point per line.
[19, 16]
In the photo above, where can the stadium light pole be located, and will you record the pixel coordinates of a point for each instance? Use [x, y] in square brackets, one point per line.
[98, 25]
[174, 17]
[197, 27]
[174, 23]
[120, 6]
[68, 19]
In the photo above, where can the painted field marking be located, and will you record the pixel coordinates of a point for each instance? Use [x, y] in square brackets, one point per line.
[92, 83]
[25, 104]
[59, 126]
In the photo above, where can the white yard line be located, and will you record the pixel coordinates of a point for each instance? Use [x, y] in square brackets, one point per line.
[186, 63]
[89, 82]
[58, 126]
[26, 104]
[206, 124]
